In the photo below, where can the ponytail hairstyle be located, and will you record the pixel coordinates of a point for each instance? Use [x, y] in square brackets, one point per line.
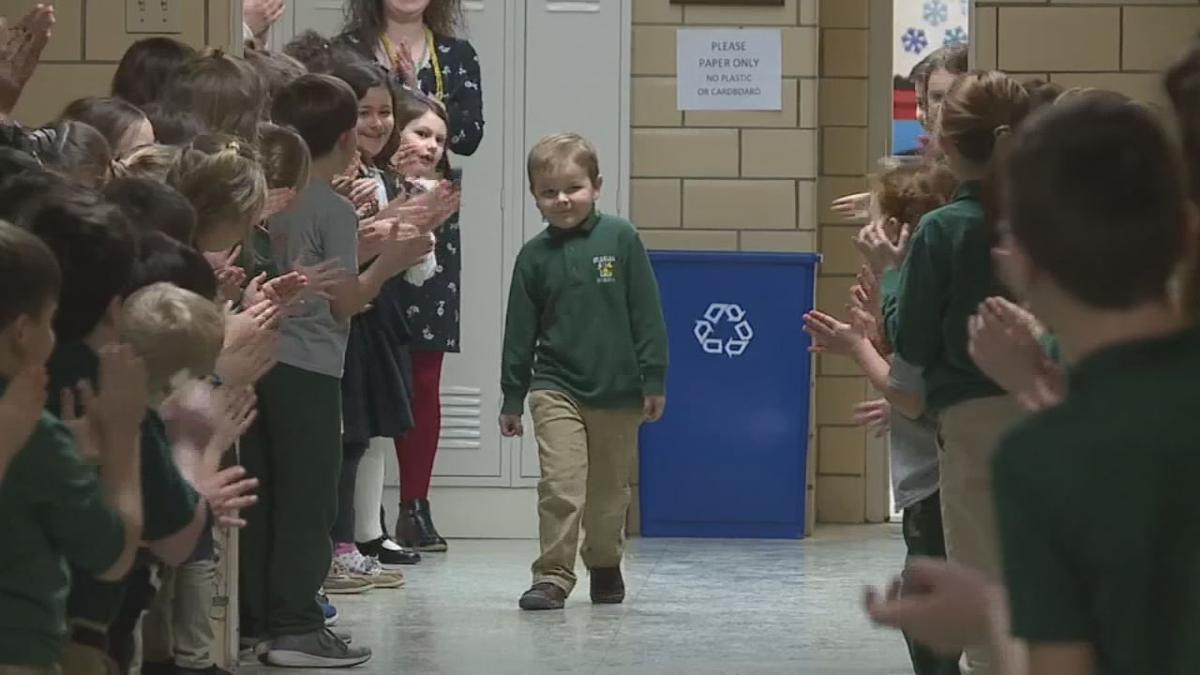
[152, 162]
[223, 90]
[221, 177]
[116, 119]
[284, 157]
[1183, 88]
[80, 154]
[1041, 93]
[978, 117]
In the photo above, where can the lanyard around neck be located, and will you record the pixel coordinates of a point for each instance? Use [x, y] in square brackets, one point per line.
[435, 62]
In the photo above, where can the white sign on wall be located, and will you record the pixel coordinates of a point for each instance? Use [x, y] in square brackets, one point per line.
[729, 69]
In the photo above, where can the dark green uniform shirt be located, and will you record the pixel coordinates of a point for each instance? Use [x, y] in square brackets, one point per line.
[947, 273]
[1096, 502]
[168, 500]
[584, 318]
[52, 510]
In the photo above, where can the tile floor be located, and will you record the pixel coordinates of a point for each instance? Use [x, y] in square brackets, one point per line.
[694, 607]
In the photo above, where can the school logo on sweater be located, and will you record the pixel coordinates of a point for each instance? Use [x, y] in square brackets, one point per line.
[606, 268]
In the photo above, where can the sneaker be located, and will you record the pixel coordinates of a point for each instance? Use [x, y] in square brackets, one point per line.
[331, 613]
[341, 582]
[318, 649]
[359, 565]
[608, 586]
[543, 596]
[389, 553]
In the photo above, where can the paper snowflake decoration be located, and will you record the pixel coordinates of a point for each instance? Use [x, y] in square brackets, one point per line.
[914, 41]
[955, 37]
[936, 12]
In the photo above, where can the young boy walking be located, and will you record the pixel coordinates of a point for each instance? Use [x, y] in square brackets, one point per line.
[586, 340]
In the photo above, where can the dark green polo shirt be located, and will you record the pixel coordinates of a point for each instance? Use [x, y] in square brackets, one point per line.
[584, 318]
[927, 303]
[52, 510]
[1097, 508]
[168, 500]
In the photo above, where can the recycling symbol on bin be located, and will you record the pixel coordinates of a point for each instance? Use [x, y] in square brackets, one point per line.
[721, 314]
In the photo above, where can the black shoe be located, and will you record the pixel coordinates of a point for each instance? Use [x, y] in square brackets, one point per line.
[158, 668]
[543, 596]
[415, 528]
[608, 586]
[211, 670]
[389, 553]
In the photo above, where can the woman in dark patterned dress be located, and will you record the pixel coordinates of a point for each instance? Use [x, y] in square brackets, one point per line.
[415, 40]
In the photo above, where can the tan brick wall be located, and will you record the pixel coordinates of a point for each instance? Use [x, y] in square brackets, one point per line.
[89, 40]
[724, 180]
[1121, 45]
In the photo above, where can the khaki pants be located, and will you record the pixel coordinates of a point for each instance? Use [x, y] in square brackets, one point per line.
[179, 627]
[80, 659]
[969, 433]
[587, 459]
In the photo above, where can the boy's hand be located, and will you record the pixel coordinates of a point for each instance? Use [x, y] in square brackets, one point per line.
[120, 404]
[83, 427]
[227, 492]
[278, 200]
[941, 605]
[831, 335]
[511, 426]
[246, 362]
[874, 415]
[879, 250]
[20, 409]
[320, 279]
[855, 206]
[653, 408]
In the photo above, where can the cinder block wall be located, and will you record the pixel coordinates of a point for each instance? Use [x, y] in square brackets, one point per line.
[89, 40]
[1114, 45]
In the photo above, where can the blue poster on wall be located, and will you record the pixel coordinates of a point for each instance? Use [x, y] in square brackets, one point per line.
[730, 457]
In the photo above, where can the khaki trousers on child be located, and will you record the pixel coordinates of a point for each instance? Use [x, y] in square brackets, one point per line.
[969, 433]
[587, 459]
[86, 659]
[179, 627]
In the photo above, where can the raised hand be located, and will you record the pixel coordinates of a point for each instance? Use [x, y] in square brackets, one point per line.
[405, 67]
[260, 15]
[248, 360]
[120, 404]
[831, 335]
[428, 210]
[880, 250]
[855, 206]
[403, 161]
[278, 200]
[320, 279]
[874, 415]
[21, 46]
[1003, 343]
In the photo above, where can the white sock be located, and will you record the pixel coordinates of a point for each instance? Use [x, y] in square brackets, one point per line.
[368, 491]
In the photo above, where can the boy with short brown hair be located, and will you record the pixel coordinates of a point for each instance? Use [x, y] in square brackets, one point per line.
[585, 334]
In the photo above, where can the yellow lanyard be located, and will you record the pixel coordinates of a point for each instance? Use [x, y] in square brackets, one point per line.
[435, 62]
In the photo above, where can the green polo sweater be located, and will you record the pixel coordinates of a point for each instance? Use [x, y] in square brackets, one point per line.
[947, 273]
[584, 318]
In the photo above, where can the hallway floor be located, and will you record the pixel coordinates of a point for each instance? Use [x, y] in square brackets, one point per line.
[694, 606]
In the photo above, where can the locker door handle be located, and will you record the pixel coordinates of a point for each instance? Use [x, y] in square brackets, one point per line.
[573, 6]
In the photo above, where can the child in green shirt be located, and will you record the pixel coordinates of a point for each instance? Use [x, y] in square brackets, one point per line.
[1095, 497]
[585, 333]
[55, 508]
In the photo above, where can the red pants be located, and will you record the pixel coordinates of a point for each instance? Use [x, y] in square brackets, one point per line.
[416, 451]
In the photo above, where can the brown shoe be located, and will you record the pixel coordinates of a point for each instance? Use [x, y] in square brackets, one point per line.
[608, 586]
[543, 596]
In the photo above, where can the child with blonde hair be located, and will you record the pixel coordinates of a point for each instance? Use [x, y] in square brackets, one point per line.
[593, 373]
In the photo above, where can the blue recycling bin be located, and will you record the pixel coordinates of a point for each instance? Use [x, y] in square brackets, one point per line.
[730, 457]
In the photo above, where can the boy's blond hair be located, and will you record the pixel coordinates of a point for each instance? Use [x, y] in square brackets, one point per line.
[174, 331]
[553, 153]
